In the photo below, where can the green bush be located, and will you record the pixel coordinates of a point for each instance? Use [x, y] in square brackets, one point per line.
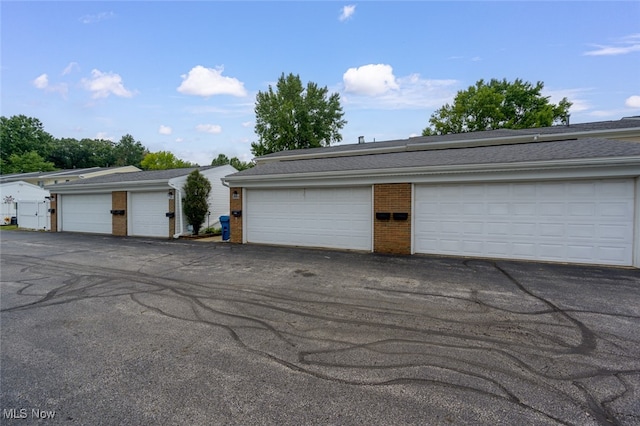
[212, 230]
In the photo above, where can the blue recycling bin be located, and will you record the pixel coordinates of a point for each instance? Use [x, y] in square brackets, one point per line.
[225, 223]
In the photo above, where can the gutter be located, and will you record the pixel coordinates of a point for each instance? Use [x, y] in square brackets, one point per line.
[75, 187]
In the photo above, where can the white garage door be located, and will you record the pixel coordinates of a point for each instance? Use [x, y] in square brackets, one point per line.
[570, 221]
[147, 214]
[318, 217]
[86, 213]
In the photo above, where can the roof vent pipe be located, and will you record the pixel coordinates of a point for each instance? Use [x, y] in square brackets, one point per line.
[360, 139]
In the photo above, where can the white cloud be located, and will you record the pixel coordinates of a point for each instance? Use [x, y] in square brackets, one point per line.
[207, 82]
[612, 50]
[179, 140]
[70, 68]
[575, 96]
[633, 101]
[621, 46]
[347, 12]
[41, 82]
[370, 80]
[411, 92]
[247, 124]
[209, 128]
[92, 19]
[104, 84]
[603, 114]
[165, 130]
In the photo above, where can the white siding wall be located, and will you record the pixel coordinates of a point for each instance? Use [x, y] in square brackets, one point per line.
[218, 198]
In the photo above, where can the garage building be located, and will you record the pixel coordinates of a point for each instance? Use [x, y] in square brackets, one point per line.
[561, 193]
[146, 204]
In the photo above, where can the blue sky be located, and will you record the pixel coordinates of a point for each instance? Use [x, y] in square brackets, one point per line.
[183, 76]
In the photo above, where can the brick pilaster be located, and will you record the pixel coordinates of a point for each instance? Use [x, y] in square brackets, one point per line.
[392, 236]
[53, 205]
[119, 222]
[172, 209]
[235, 203]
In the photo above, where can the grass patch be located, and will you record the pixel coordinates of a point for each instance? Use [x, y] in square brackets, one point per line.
[8, 227]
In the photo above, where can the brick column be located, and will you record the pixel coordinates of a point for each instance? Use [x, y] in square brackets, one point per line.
[393, 235]
[53, 205]
[119, 222]
[172, 209]
[235, 203]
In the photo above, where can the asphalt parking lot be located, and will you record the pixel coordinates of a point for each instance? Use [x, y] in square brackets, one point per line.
[108, 330]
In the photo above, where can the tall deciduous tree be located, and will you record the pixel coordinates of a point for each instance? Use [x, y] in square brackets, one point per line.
[20, 137]
[26, 162]
[240, 165]
[294, 117]
[69, 153]
[129, 152]
[495, 105]
[195, 204]
[163, 160]
[223, 160]
[220, 160]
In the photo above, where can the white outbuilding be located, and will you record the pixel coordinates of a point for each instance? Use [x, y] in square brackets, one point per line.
[25, 204]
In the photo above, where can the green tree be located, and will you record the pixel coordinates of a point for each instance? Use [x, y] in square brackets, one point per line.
[195, 203]
[27, 162]
[163, 160]
[101, 152]
[21, 135]
[220, 160]
[69, 153]
[294, 117]
[129, 152]
[496, 105]
[223, 160]
[240, 165]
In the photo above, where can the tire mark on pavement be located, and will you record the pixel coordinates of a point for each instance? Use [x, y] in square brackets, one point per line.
[393, 339]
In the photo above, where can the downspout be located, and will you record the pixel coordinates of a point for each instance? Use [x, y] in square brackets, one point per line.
[178, 209]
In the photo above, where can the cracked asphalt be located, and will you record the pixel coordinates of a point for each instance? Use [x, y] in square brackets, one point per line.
[109, 330]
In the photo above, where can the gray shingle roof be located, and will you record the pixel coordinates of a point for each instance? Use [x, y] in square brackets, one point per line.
[152, 175]
[45, 175]
[625, 123]
[521, 152]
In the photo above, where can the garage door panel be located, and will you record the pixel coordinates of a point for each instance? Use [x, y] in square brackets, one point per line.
[86, 213]
[610, 253]
[319, 217]
[554, 230]
[615, 189]
[575, 221]
[613, 232]
[553, 251]
[552, 209]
